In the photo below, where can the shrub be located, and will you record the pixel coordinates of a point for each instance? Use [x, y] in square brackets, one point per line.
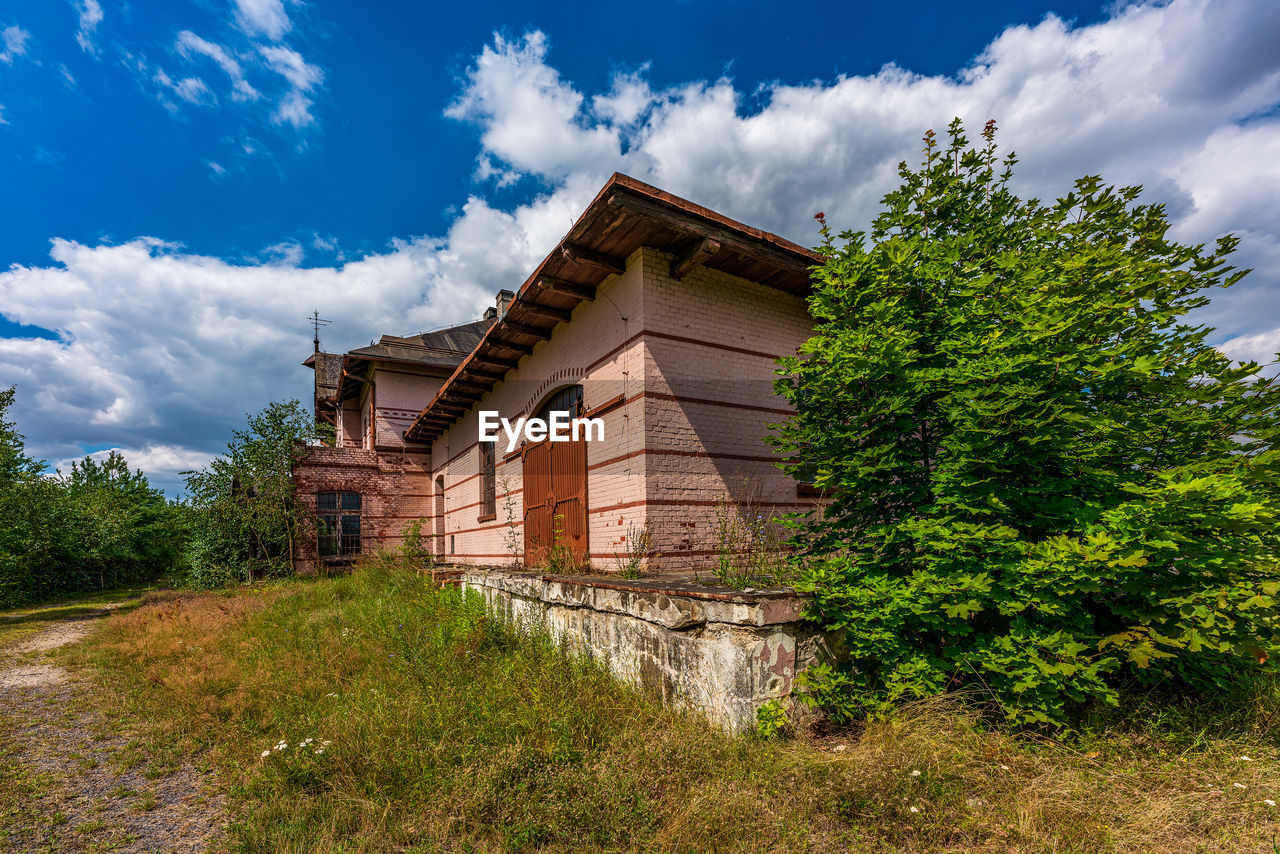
[1043, 478]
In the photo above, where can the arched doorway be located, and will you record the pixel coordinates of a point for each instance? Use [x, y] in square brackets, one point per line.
[555, 491]
[439, 514]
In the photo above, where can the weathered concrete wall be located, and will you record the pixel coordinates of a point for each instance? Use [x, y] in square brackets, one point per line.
[723, 652]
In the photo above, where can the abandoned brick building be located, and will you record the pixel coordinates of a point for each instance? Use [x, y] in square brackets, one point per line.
[659, 317]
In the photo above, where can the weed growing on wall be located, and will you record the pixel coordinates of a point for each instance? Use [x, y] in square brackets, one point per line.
[558, 557]
[636, 546]
[750, 544]
[512, 541]
[1043, 477]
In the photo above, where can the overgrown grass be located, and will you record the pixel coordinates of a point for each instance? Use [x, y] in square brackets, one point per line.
[434, 726]
[20, 623]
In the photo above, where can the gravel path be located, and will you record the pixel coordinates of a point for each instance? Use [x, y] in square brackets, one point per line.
[93, 788]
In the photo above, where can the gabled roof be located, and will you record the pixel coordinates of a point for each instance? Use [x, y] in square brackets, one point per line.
[625, 215]
[444, 347]
[438, 352]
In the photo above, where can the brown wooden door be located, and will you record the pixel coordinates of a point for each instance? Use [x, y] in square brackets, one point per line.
[555, 500]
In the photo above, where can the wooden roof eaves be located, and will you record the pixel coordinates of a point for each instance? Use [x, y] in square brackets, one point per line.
[652, 202]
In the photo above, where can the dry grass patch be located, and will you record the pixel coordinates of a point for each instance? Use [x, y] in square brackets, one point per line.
[375, 713]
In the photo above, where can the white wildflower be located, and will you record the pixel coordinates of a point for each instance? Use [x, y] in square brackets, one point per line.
[1004, 767]
[266, 753]
[913, 809]
[1269, 802]
[319, 751]
[915, 773]
[839, 748]
[1245, 759]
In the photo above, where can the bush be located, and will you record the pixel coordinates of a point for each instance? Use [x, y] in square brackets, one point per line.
[1044, 479]
[244, 521]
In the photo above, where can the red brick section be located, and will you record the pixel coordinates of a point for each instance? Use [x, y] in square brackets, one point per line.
[394, 486]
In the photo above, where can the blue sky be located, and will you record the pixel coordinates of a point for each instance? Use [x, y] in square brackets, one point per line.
[183, 182]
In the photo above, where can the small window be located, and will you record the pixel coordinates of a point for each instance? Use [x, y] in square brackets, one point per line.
[488, 484]
[338, 523]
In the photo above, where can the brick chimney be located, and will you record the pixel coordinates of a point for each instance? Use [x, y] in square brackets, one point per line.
[504, 301]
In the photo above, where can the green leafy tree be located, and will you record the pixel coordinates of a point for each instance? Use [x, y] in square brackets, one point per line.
[1043, 478]
[99, 526]
[245, 523]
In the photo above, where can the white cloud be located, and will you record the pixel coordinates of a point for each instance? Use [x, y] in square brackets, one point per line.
[164, 348]
[90, 16]
[189, 44]
[532, 120]
[193, 90]
[295, 107]
[262, 18]
[163, 464]
[1261, 348]
[15, 40]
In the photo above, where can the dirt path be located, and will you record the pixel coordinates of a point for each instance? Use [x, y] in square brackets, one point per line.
[76, 783]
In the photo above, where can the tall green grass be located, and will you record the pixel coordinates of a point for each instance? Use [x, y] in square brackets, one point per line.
[413, 720]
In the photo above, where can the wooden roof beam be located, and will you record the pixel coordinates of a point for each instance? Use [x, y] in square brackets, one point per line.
[693, 257]
[511, 345]
[557, 314]
[496, 361]
[591, 258]
[573, 289]
[761, 250]
[483, 374]
[524, 329]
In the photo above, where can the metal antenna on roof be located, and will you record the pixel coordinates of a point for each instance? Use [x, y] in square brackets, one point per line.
[316, 322]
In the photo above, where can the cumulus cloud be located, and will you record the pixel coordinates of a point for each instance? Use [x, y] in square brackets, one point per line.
[263, 18]
[160, 347]
[1180, 97]
[14, 39]
[532, 119]
[90, 16]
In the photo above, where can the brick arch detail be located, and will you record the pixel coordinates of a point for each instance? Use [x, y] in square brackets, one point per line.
[557, 379]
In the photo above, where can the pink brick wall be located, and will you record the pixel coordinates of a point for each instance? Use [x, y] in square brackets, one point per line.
[598, 349]
[399, 397]
[710, 358]
[693, 361]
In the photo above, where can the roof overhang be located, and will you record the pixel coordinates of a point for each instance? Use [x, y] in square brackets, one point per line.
[625, 215]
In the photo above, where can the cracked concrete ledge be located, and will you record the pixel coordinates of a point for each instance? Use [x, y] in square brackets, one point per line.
[669, 603]
[721, 651]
